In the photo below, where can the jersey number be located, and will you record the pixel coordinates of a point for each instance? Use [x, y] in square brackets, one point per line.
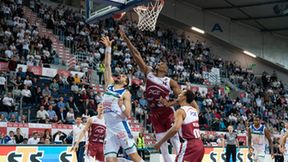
[196, 133]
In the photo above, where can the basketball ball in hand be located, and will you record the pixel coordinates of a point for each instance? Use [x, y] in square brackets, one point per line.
[118, 16]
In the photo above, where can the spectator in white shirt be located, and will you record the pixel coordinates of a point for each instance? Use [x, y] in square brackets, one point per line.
[34, 139]
[26, 93]
[8, 103]
[2, 84]
[70, 118]
[42, 115]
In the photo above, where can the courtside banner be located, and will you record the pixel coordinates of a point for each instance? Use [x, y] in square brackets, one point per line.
[40, 153]
[217, 154]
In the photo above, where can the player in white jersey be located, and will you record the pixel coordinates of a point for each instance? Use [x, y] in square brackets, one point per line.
[284, 141]
[256, 140]
[117, 108]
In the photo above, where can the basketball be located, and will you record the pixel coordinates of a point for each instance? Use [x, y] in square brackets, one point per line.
[118, 16]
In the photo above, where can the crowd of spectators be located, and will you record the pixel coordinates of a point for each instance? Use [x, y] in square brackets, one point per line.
[45, 137]
[61, 99]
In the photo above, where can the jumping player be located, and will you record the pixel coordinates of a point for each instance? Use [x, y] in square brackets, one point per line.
[96, 134]
[117, 108]
[187, 124]
[158, 89]
[256, 140]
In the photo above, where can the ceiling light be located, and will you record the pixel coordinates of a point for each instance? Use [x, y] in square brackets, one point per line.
[198, 30]
[249, 54]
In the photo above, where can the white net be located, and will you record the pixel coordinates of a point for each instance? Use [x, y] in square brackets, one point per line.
[148, 15]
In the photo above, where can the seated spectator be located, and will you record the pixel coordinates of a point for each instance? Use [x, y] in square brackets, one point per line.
[20, 73]
[42, 115]
[77, 80]
[61, 115]
[10, 139]
[34, 140]
[19, 82]
[52, 114]
[70, 118]
[46, 91]
[18, 136]
[58, 137]
[3, 118]
[12, 65]
[28, 81]
[71, 104]
[13, 118]
[75, 88]
[45, 102]
[54, 85]
[8, 103]
[41, 141]
[3, 83]
[26, 93]
[23, 119]
[55, 94]
[61, 104]
[17, 93]
[47, 135]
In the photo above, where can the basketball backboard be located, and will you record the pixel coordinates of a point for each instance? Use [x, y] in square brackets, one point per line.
[100, 9]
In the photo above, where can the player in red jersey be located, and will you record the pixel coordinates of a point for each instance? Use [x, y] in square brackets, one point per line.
[187, 124]
[96, 134]
[158, 89]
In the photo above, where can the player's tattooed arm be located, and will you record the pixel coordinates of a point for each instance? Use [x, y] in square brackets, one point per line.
[135, 53]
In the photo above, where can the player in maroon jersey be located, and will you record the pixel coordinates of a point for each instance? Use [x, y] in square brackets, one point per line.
[187, 125]
[96, 134]
[158, 89]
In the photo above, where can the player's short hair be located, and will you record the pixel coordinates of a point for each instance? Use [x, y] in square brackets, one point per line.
[189, 96]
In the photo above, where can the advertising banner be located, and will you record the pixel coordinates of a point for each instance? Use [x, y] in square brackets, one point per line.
[41, 153]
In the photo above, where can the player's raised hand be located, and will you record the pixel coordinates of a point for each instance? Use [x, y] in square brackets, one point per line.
[106, 41]
[122, 33]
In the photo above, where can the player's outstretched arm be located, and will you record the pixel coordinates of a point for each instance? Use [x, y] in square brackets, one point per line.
[268, 136]
[135, 53]
[179, 117]
[283, 139]
[107, 61]
[82, 134]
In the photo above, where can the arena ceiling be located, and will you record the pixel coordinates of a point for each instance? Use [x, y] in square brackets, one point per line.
[265, 15]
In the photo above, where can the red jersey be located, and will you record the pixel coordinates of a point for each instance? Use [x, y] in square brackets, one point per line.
[97, 131]
[190, 127]
[155, 88]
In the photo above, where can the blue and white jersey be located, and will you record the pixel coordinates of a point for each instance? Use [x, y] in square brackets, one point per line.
[258, 134]
[112, 112]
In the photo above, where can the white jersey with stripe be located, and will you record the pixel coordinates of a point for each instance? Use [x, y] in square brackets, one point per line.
[112, 112]
[258, 135]
[190, 126]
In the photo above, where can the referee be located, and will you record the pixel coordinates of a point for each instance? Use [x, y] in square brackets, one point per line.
[230, 139]
[77, 128]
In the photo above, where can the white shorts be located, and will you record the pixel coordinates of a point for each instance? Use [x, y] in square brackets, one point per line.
[259, 152]
[286, 157]
[119, 135]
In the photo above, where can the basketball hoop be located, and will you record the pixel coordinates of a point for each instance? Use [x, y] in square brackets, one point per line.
[148, 15]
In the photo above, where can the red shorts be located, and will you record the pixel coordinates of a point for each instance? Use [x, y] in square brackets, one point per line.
[191, 151]
[162, 120]
[96, 151]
